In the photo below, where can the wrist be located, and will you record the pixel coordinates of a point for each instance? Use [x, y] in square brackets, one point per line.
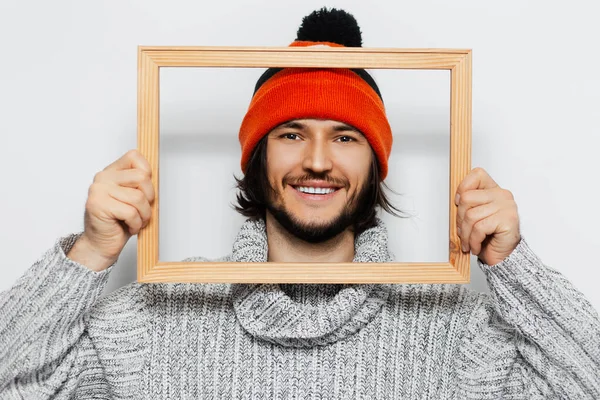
[84, 253]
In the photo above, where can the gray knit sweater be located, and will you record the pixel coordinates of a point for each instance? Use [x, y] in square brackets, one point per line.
[534, 337]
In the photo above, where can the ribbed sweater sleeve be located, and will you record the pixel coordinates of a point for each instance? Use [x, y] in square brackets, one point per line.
[534, 337]
[44, 352]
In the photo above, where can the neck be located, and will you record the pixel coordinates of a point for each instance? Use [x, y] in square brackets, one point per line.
[285, 247]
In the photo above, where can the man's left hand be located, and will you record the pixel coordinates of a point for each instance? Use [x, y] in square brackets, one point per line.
[487, 219]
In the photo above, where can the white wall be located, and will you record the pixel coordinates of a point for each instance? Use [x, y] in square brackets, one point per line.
[68, 108]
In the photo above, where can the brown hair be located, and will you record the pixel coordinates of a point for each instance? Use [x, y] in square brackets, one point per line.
[252, 196]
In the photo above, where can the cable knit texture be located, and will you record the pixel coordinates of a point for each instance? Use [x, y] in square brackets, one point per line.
[534, 337]
[283, 314]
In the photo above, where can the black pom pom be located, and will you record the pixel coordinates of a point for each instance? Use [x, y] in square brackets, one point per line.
[336, 26]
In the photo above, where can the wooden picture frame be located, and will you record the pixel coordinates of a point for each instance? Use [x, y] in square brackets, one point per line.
[151, 59]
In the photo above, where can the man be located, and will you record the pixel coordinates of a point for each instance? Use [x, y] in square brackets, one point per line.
[315, 145]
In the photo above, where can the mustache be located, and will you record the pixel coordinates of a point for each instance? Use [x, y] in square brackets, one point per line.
[295, 181]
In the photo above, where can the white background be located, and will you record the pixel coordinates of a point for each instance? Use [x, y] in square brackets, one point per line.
[68, 108]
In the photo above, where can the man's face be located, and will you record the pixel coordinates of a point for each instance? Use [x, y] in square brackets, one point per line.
[319, 170]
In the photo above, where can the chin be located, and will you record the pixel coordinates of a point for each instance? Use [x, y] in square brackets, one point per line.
[311, 228]
[314, 222]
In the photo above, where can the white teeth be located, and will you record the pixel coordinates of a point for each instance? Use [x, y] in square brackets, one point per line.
[313, 190]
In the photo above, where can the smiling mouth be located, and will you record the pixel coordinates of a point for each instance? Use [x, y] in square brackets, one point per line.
[315, 191]
[315, 194]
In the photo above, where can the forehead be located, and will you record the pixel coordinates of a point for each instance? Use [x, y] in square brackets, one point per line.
[307, 123]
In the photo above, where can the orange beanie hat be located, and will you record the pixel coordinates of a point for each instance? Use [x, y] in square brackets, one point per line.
[346, 95]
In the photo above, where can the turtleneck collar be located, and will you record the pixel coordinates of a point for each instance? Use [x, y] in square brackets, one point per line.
[306, 315]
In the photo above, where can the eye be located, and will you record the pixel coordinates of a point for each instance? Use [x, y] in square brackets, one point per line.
[291, 136]
[347, 139]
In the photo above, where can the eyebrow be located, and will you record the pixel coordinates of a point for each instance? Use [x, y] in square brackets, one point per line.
[338, 128]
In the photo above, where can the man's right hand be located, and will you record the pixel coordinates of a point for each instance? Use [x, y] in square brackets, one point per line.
[118, 207]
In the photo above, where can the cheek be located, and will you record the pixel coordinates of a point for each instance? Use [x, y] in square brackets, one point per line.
[279, 164]
[281, 159]
[355, 167]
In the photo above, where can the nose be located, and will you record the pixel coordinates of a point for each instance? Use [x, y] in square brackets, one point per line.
[317, 157]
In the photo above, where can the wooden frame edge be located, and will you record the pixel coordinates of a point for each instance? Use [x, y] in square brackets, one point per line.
[151, 58]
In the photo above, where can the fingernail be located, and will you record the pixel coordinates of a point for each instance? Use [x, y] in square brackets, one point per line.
[456, 198]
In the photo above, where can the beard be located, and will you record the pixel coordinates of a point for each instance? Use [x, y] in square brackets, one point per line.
[317, 233]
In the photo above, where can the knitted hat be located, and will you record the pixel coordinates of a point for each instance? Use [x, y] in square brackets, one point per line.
[346, 95]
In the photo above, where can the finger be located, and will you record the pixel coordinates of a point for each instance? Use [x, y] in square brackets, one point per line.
[122, 211]
[481, 230]
[133, 178]
[131, 159]
[134, 198]
[474, 198]
[471, 218]
[136, 179]
[478, 178]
